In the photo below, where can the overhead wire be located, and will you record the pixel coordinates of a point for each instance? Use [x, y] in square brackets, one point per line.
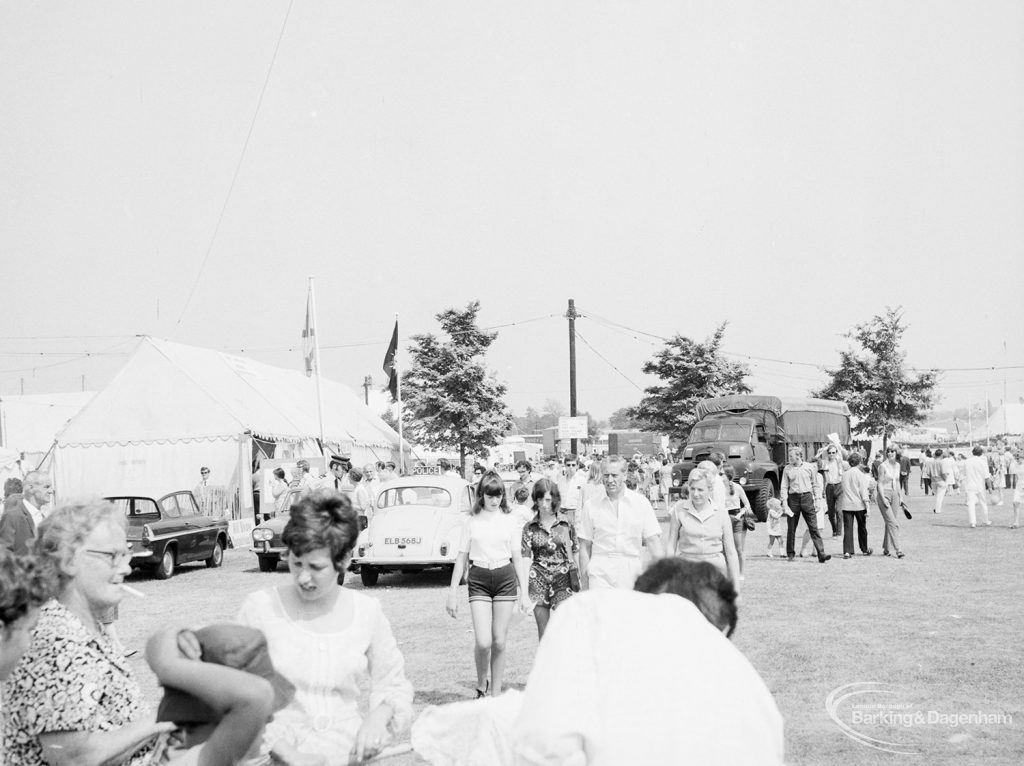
[238, 165]
[602, 358]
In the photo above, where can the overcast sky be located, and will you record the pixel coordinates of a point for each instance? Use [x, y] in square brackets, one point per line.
[791, 167]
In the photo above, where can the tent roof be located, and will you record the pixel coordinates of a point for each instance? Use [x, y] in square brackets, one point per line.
[1008, 419]
[172, 392]
[30, 421]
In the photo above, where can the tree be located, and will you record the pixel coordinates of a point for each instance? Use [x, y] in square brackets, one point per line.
[450, 399]
[622, 419]
[874, 381]
[691, 371]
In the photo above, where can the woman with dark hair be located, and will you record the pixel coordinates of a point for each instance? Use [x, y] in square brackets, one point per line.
[24, 587]
[490, 546]
[549, 542]
[327, 640]
[697, 581]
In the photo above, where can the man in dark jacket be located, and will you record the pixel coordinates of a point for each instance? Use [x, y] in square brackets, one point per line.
[21, 519]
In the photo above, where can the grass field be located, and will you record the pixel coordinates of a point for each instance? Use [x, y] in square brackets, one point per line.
[942, 626]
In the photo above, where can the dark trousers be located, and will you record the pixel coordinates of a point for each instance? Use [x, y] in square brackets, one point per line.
[927, 484]
[802, 504]
[903, 483]
[833, 492]
[861, 518]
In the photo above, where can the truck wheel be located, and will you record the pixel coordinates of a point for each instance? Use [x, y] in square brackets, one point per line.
[764, 493]
[368, 575]
[268, 563]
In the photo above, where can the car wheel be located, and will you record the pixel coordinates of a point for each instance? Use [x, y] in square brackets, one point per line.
[368, 575]
[268, 563]
[166, 566]
[217, 555]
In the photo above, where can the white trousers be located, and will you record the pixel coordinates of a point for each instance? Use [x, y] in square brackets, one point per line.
[613, 571]
[973, 498]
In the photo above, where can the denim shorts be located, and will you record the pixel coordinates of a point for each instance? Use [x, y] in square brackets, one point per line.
[493, 584]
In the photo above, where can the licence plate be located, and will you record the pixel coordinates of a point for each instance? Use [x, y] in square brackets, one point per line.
[403, 540]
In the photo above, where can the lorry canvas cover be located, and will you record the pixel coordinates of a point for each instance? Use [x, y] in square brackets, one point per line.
[802, 419]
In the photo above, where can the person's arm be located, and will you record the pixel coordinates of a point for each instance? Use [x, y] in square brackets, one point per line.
[523, 576]
[816, 488]
[390, 691]
[673, 530]
[744, 502]
[586, 551]
[461, 561]
[244, 701]
[732, 559]
[784, 486]
[98, 748]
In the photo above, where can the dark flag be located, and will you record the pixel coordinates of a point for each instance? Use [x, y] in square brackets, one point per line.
[389, 364]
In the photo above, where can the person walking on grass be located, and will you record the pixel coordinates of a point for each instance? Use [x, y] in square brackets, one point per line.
[490, 547]
[856, 494]
[888, 497]
[775, 513]
[800, 486]
[976, 479]
[549, 549]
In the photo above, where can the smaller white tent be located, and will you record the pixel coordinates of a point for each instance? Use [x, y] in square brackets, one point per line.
[1008, 419]
[173, 408]
[29, 423]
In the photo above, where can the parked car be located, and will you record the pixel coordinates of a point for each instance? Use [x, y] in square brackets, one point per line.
[167, 530]
[266, 538]
[417, 524]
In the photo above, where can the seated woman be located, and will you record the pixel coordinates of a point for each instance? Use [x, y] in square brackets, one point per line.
[74, 660]
[326, 640]
[24, 587]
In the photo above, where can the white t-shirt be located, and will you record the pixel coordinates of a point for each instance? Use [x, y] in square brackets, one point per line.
[975, 473]
[488, 536]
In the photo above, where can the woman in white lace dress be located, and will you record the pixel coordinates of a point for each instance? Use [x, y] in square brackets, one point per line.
[328, 641]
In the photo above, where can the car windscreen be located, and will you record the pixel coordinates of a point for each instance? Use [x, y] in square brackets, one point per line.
[135, 506]
[435, 497]
[720, 433]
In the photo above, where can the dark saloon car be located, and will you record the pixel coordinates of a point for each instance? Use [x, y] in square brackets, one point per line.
[167, 530]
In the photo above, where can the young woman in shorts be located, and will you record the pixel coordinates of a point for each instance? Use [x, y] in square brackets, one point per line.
[490, 548]
[549, 542]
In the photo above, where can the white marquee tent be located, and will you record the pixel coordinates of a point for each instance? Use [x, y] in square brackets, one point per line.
[1008, 419]
[29, 422]
[173, 408]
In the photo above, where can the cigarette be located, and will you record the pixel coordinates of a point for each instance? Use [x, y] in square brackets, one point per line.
[132, 591]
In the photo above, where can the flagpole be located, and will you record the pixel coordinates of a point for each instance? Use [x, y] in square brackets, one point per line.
[970, 428]
[316, 363]
[398, 376]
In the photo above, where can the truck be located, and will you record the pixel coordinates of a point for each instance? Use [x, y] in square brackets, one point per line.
[628, 443]
[755, 433]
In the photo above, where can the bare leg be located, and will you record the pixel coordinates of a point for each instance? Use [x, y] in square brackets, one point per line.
[481, 612]
[740, 538]
[542, 614]
[502, 616]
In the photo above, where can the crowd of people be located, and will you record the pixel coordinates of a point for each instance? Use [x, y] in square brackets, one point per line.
[310, 672]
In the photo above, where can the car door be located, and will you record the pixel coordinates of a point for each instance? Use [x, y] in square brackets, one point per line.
[171, 528]
[199, 527]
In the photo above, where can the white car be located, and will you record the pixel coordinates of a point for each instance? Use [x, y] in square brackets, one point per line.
[417, 524]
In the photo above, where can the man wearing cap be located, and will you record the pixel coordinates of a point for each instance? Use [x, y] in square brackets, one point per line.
[337, 477]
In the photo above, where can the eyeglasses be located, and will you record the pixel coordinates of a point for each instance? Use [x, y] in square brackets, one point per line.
[114, 558]
[831, 452]
[205, 473]
[493, 492]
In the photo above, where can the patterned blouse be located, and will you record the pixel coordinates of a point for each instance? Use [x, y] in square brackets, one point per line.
[69, 680]
[548, 548]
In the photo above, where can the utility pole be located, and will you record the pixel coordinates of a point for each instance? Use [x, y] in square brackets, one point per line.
[367, 382]
[571, 316]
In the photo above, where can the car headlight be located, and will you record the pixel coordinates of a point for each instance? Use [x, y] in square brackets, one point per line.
[675, 482]
[743, 481]
[260, 535]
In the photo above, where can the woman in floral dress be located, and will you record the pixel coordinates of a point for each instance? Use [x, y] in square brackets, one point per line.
[549, 542]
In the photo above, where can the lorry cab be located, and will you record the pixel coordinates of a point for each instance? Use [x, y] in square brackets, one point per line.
[755, 433]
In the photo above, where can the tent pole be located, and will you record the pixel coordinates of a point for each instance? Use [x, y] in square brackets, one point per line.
[316, 361]
[398, 376]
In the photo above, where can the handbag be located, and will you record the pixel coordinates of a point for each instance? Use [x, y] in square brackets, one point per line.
[748, 523]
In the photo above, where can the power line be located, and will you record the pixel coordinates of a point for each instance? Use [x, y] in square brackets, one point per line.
[821, 367]
[602, 358]
[238, 165]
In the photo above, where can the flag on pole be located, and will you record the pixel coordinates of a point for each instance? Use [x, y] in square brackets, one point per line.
[309, 335]
[389, 363]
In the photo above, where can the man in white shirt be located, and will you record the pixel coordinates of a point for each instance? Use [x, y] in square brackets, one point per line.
[613, 528]
[570, 485]
[975, 474]
[202, 491]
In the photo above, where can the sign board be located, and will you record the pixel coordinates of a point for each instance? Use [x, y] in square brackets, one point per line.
[240, 532]
[572, 428]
